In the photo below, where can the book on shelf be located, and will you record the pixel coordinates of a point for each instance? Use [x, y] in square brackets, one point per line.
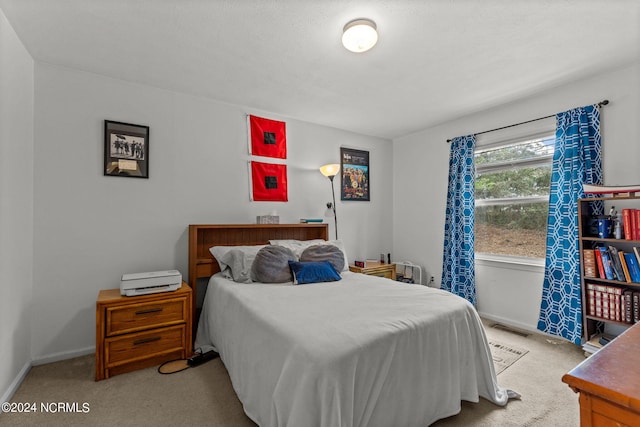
[605, 302]
[636, 251]
[626, 223]
[617, 265]
[606, 262]
[609, 189]
[633, 266]
[591, 299]
[615, 300]
[590, 268]
[631, 223]
[625, 268]
[310, 220]
[628, 306]
[598, 258]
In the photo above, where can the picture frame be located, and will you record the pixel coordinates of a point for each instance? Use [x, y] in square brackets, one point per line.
[126, 149]
[354, 175]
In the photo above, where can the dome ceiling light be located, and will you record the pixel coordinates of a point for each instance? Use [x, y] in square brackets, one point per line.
[360, 35]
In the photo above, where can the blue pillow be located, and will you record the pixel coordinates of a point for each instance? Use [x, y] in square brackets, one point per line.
[313, 272]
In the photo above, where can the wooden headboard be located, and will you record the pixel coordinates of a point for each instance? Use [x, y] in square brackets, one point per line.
[204, 236]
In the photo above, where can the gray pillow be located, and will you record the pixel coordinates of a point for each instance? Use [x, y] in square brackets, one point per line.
[235, 261]
[271, 265]
[325, 252]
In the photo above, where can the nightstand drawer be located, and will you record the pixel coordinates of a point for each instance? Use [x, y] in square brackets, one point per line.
[376, 269]
[385, 274]
[144, 345]
[138, 317]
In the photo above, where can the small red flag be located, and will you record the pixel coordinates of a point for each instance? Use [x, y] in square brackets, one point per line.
[268, 137]
[269, 182]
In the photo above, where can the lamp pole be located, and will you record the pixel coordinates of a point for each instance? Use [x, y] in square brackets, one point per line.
[335, 215]
[330, 171]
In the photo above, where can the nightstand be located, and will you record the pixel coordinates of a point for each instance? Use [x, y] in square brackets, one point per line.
[376, 269]
[141, 331]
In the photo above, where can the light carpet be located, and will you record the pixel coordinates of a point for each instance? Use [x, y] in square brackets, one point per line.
[204, 395]
[505, 355]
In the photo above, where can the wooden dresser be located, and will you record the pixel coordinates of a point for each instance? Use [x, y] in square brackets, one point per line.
[376, 269]
[609, 383]
[141, 331]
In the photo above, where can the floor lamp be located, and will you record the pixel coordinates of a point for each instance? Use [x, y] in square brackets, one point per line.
[330, 171]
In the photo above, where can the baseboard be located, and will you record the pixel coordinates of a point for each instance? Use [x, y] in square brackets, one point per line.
[57, 357]
[13, 387]
[509, 322]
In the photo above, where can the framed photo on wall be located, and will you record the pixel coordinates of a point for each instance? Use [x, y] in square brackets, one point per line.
[126, 149]
[354, 178]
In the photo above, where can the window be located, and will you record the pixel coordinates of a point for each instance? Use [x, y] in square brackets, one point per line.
[512, 197]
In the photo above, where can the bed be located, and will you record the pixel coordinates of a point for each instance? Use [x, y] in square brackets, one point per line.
[360, 351]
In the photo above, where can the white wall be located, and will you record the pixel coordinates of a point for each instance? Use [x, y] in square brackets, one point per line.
[90, 229]
[16, 208]
[420, 182]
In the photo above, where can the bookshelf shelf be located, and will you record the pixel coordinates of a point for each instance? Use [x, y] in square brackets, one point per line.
[613, 282]
[600, 319]
[608, 294]
[613, 241]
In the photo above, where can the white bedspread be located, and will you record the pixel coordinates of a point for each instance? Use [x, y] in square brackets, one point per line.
[363, 351]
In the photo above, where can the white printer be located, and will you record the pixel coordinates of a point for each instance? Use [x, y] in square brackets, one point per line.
[150, 282]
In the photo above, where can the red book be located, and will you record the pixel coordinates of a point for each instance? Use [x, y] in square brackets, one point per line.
[635, 224]
[598, 257]
[626, 224]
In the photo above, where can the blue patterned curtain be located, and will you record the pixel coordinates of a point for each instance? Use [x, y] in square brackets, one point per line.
[458, 267]
[577, 160]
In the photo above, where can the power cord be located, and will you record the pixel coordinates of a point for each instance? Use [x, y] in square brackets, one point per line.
[178, 365]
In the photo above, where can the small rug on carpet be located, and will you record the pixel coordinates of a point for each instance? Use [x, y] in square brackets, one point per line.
[505, 355]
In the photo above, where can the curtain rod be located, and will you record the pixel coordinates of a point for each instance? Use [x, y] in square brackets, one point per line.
[600, 104]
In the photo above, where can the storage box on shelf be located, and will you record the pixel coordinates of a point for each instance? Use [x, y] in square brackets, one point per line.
[609, 273]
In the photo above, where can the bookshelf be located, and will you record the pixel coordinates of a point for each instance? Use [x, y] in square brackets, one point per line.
[607, 296]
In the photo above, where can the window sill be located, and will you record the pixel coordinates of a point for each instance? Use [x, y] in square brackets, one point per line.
[511, 262]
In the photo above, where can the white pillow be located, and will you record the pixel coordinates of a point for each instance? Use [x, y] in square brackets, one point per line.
[235, 261]
[298, 246]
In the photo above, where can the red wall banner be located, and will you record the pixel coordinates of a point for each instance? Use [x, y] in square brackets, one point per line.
[269, 182]
[268, 137]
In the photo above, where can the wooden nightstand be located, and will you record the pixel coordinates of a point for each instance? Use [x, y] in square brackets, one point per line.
[137, 332]
[376, 269]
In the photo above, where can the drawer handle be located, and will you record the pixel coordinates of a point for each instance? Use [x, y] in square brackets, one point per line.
[150, 310]
[146, 340]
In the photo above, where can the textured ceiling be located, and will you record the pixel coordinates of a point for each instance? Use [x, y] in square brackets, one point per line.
[436, 60]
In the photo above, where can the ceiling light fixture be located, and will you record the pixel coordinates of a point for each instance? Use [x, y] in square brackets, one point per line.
[360, 35]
